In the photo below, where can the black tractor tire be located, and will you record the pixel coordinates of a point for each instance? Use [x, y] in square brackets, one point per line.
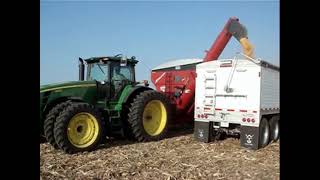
[49, 121]
[274, 124]
[264, 133]
[136, 119]
[127, 130]
[63, 129]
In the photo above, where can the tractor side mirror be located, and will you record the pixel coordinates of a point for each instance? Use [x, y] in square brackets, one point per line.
[144, 82]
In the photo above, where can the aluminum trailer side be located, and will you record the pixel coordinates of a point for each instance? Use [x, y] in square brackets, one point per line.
[237, 97]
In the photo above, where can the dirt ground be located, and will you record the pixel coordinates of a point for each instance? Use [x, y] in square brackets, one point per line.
[177, 157]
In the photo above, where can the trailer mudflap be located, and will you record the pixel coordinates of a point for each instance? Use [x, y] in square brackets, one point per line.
[203, 131]
[249, 137]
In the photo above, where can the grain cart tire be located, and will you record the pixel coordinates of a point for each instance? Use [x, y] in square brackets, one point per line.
[264, 133]
[149, 116]
[274, 128]
[48, 124]
[79, 128]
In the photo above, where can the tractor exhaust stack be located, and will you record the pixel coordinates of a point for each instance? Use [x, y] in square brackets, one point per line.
[81, 69]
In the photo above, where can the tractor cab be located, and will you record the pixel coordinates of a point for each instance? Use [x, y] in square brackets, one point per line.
[113, 72]
[108, 69]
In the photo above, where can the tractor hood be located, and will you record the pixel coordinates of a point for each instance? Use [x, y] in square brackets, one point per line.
[66, 85]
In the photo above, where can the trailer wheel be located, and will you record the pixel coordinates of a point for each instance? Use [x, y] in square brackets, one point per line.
[149, 116]
[264, 133]
[219, 135]
[48, 124]
[79, 128]
[274, 128]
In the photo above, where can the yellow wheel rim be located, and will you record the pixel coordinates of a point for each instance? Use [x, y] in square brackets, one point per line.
[154, 117]
[83, 130]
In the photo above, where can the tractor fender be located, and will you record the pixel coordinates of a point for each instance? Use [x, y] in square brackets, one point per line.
[75, 99]
[134, 91]
[51, 104]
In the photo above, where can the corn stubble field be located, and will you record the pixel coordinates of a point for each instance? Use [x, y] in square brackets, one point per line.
[178, 157]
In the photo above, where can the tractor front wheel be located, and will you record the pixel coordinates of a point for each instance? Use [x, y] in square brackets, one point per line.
[79, 128]
[149, 116]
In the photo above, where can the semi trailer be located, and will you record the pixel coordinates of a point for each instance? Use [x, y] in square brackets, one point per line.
[237, 97]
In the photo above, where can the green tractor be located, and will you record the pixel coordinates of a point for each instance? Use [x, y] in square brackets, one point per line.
[78, 116]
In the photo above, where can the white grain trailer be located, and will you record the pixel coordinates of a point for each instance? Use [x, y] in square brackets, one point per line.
[237, 97]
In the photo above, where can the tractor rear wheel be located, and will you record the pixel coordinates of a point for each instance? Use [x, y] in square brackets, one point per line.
[149, 116]
[50, 120]
[79, 128]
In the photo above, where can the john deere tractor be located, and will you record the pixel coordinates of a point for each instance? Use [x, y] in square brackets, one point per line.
[78, 116]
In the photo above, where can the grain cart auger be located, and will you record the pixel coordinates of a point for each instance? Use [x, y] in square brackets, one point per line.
[77, 116]
[177, 78]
